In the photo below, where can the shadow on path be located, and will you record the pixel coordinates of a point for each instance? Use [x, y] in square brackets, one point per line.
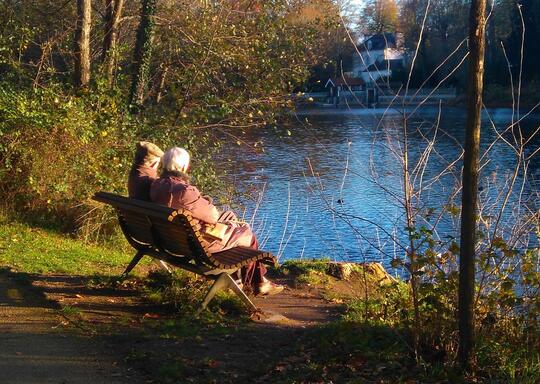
[116, 328]
[40, 346]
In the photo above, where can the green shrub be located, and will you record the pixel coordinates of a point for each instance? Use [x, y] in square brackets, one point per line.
[58, 148]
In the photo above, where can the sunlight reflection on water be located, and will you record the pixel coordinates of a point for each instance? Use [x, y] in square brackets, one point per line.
[312, 208]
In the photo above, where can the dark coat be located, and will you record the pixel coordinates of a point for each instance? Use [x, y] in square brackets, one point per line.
[142, 173]
[140, 180]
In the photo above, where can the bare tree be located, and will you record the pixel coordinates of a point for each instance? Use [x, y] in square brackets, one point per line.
[477, 29]
[82, 43]
[113, 13]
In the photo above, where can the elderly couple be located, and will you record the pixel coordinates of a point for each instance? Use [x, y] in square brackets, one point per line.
[173, 189]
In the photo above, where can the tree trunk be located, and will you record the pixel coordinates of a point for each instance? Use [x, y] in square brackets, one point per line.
[113, 12]
[82, 43]
[160, 84]
[477, 28]
[143, 54]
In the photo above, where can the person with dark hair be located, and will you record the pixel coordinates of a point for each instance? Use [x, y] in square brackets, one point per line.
[144, 170]
[173, 189]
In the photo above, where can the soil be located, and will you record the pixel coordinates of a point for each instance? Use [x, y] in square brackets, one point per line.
[57, 329]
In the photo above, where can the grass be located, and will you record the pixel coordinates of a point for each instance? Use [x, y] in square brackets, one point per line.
[68, 310]
[38, 250]
[303, 267]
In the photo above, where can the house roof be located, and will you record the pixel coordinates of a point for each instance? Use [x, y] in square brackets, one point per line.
[344, 81]
[379, 42]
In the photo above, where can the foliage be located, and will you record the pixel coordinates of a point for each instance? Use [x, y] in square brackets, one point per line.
[57, 149]
[251, 63]
[379, 16]
[300, 267]
[184, 292]
[445, 29]
[215, 67]
[385, 307]
[506, 310]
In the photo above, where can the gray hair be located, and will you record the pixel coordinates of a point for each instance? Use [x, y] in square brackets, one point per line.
[175, 159]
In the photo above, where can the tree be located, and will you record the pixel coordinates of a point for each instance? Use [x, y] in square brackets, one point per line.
[113, 12]
[82, 43]
[143, 53]
[477, 29]
[379, 16]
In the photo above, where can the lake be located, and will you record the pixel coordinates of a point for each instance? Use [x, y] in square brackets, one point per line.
[329, 182]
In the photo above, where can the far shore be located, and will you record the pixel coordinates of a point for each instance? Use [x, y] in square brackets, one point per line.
[502, 112]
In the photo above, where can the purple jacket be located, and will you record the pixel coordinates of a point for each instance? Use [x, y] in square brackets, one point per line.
[173, 190]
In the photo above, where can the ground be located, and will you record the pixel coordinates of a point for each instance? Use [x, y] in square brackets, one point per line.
[69, 329]
[65, 318]
[41, 345]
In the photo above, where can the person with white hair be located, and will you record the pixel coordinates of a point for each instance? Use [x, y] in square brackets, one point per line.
[173, 189]
[144, 170]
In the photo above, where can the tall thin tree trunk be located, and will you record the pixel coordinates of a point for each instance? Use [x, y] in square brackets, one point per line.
[477, 29]
[143, 54]
[160, 83]
[113, 13]
[82, 43]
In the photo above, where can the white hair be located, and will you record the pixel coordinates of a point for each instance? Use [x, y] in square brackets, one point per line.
[175, 159]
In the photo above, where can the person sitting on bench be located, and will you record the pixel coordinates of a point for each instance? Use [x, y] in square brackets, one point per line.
[144, 170]
[173, 189]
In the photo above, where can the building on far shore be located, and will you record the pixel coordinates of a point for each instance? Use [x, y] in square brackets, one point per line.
[348, 90]
[379, 57]
[375, 78]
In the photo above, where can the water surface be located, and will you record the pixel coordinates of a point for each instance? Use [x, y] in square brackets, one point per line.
[331, 181]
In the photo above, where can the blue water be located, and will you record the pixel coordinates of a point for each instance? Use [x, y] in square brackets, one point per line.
[329, 182]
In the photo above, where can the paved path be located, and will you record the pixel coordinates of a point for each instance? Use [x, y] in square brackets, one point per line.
[38, 345]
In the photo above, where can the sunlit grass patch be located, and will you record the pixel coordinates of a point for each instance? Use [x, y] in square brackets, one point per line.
[303, 267]
[68, 310]
[38, 250]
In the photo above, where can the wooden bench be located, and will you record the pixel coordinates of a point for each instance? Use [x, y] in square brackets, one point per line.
[173, 236]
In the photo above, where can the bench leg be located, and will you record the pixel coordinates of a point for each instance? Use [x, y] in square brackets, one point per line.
[165, 266]
[225, 281]
[241, 294]
[138, 256]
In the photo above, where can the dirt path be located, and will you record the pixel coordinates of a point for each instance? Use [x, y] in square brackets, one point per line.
[38, 345]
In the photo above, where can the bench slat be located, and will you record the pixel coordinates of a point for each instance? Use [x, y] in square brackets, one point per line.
[240, 256]
[173, 238]
[176, 232]
[140, 207]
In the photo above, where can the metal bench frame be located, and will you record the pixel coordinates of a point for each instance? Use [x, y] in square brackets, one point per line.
[173, 236]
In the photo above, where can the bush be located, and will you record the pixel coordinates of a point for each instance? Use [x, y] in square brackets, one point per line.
[56, 150]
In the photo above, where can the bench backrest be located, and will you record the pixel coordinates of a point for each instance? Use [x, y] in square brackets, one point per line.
[153, 226]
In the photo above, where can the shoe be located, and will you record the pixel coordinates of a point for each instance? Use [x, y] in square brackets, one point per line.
[269, 288]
